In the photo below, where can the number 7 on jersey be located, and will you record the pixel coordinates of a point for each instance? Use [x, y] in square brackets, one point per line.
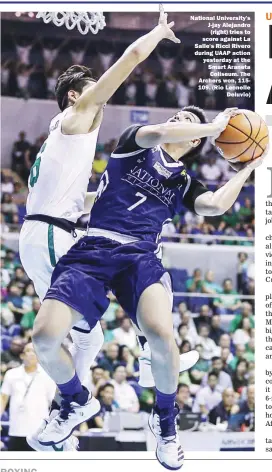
[142, 200]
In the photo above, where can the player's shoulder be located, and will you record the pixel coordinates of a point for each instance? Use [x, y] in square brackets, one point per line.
[56, 122]
[127, 142]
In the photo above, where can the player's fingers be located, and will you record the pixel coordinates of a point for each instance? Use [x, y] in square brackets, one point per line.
[170, 25]
[161, 9]
[176, 40]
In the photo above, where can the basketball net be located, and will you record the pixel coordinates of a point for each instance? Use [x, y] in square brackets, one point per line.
[84, 21]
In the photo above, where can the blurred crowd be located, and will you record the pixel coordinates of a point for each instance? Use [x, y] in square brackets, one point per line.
[209, 168]
[168, 78]
[221, 329]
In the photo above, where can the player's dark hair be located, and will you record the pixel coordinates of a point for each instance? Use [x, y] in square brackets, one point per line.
[203, 119]
[74, 78]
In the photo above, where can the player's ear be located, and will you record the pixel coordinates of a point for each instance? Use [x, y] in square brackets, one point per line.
[195, 142]
[72, 96]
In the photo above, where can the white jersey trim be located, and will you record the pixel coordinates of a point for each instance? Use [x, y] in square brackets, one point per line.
[127, 154]
[118, 237]
[169, 164]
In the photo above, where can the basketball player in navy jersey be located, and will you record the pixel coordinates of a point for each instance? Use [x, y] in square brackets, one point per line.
[144, 186]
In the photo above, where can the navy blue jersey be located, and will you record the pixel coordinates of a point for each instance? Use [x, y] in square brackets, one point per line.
[141, 190]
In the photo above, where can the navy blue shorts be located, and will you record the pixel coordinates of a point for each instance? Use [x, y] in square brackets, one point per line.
[94, 266]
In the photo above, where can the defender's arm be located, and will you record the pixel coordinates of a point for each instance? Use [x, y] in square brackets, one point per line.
[95, 96]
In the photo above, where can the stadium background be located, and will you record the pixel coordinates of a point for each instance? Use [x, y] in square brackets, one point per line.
[211, 314]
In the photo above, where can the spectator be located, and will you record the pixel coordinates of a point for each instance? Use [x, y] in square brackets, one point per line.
[225, 342]
[209, 286]
[240, 351]
[203, 318]
[119, 314]
[108, 334]
[19, 195]
[8, 207]
[246, 211]
[183, 398]
[250, 348]
[224, 379]
[14, 300]
[194, 283]
[5, 276]
[30, 392]
[110, 359]
[13, 355]
[28, 318]
[223, 411]
[189, 322]
[10, 261]
[20, 276]
[211, 171]
[209, 346]
[216, 332]
[98, 377]
[126, 358]
[229, 301]
[185, 347]
[246, 312]
[208, 397]
[226, 357]
[247, 409]
[28, 295]
[242, 335]
[183, 335]
[126, 334]
[7, 185]
[105, 395]
[110, 313]
[240, 376]
[199, 370]
[124, 394]
[4, 227]
[7, 317]
[242, 271]
[18, 152]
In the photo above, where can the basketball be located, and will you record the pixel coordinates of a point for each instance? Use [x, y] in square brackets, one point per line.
[244, 139]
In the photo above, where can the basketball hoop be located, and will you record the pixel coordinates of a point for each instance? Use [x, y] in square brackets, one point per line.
[84, 21]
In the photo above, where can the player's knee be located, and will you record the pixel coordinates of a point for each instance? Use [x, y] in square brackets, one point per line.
[45, 346]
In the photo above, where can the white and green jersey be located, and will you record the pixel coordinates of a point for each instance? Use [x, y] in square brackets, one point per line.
[59, 177]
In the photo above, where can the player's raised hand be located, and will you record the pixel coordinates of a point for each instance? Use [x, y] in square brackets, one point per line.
[253, 164]
[167, 27]
[259, 160]
[221, 121]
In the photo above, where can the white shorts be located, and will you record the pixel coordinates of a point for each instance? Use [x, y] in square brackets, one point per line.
[41, 246]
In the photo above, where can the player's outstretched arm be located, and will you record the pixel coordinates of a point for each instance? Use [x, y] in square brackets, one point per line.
[217, 203]
[177, 132]
[102, 91]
